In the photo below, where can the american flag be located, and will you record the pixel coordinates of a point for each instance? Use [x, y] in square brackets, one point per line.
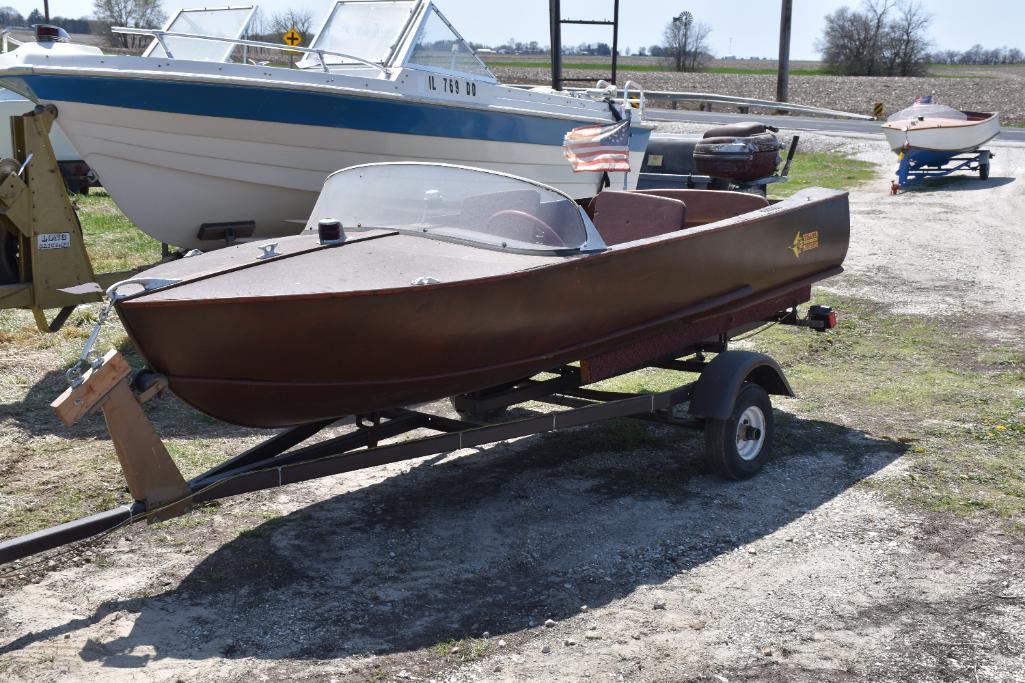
[923, 99]
[599, 148]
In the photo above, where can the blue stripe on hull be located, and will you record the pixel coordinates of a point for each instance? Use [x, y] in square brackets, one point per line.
[302, 108]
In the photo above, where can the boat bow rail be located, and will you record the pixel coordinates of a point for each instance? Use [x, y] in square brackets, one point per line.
[160, 36]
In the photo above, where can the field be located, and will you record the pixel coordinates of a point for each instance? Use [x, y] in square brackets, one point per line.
[999, 88]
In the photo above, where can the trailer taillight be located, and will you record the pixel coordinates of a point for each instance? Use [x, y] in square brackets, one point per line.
[46, 33]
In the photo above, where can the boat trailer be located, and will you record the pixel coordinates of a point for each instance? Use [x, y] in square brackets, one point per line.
[42, 252]
[729, 400]
[916, 165]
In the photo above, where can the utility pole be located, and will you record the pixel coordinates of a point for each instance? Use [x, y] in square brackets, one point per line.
[556, 18]
[783, 77]
[46, 9]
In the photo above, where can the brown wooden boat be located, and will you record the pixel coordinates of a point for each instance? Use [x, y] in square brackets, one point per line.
[447, 280]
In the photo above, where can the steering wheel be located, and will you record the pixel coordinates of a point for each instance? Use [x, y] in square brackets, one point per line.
[521, 219]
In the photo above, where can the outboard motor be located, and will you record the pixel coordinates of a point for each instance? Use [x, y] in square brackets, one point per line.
[738, 152]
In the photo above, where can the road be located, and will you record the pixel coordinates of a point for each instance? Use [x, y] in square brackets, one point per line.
[821, 125]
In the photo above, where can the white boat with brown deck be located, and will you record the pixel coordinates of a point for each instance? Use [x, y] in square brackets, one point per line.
[938, 128]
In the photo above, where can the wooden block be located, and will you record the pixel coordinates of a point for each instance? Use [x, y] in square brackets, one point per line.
[149, 470]
[76, 402]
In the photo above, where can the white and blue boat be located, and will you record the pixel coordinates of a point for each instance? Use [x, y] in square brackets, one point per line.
[194, 135]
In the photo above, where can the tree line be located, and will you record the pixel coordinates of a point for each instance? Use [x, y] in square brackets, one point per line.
[890, 38]
[885, 38]
[977, 54]
[12, 17]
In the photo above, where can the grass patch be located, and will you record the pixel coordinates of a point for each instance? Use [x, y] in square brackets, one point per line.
[465, 650]
[960, 405]
[59, 499]
[112, 241]
[824, 169]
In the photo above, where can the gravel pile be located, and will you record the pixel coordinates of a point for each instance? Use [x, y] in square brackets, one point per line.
[1002, 92]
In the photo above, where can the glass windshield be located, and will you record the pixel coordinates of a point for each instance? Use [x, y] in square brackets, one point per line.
[928, 111]
[363, 28]
[229, 22]
[454, 203]
[438, 46]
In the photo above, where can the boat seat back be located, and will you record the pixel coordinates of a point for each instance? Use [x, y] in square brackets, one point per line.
[709, 206]
[627, 216]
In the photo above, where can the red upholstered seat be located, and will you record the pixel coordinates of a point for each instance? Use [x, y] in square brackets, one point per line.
[708, 206]
[627, 216]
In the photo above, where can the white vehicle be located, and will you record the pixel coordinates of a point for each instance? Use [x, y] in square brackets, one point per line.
[195, 148]
[73, 168]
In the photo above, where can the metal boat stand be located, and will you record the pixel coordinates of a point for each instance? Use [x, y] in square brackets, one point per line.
[42, 254]
[729, 400]
[908, 171]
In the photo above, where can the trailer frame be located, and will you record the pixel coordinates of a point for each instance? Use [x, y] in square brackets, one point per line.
[910, 171]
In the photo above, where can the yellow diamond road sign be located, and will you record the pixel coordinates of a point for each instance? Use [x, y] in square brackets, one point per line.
[292, 37]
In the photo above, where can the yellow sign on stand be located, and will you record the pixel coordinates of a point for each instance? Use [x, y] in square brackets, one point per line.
[292, 38]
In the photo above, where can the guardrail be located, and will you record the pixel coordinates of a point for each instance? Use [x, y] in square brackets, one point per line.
[744, 104]
[160, 35]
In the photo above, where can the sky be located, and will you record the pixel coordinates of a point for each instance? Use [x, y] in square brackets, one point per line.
[750, 27]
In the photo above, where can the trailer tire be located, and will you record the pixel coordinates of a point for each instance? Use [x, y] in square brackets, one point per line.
[9, 271]
[984, 171]
[732, 455]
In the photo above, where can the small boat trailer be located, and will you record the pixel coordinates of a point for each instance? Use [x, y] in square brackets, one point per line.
[915, 165]
[729, 401]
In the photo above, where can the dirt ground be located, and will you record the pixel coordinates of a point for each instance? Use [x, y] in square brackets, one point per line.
[598, 554]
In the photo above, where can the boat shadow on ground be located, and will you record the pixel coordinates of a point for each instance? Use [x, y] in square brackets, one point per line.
[497, 541]
[172, 418]
[959, 183]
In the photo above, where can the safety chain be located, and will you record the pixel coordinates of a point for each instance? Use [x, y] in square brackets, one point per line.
[89, 358]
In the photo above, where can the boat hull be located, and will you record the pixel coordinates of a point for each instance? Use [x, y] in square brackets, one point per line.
[175, 156]
[272, 361]
[942, 135]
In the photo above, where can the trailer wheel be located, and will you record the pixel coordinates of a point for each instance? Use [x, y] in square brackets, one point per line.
[738, 447]
[9, 271]
[984, 171]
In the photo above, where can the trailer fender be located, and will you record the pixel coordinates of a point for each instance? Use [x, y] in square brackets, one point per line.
[716, 390]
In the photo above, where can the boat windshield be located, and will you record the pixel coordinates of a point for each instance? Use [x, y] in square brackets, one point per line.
[455, 203]
[368, 29]
[928, 111]
[221, 22]
[438, 46]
